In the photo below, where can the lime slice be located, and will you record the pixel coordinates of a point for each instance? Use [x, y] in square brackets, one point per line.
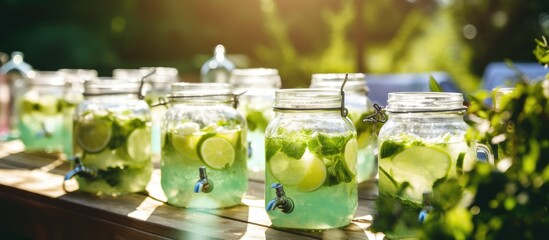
[139, 144]
[288, 171]
[94, 135]
[233, 136]
[314, 177]
[431, 163]
[186, 145]
[217, 152]
[351, 155]
[421, 167]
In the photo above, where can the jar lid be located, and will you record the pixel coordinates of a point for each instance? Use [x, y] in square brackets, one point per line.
[355, 81]
[184, 89]
[128, 73]
[111, 86]
[161, 74]
[49, 78]
[255, 78]
[409, 102]
[75, 76]
[307, 99]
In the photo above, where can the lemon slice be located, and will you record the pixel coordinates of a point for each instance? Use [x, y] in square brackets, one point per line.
[217, 152]
[351, 155]
[186, 145]
[94, 135]
[139, 144]
[314, 177]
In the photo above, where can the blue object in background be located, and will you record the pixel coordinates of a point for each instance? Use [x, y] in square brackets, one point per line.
[498, 74]
[380, 85]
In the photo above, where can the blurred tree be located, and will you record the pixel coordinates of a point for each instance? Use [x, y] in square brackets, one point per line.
[297, 37]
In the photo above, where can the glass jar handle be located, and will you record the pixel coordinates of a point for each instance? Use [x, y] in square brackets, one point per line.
[487, 151]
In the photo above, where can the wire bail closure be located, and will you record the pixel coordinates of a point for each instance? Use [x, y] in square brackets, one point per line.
[378, 117]
[140, 94]
[344, 111]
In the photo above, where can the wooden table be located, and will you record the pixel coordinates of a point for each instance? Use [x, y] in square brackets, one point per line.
[34, 205]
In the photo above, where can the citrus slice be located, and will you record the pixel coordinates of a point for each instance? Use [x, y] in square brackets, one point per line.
[216, 152]
[421, 167]
[351, 155]
[94, 135]
[139, 144]
[314, 177]
[233, 136]
[288, 171]
[186, 145]
[431, 163]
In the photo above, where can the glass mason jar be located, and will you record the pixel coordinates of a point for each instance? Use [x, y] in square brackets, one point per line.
[112, 139]
[41, 112]
[311, 152]
[203, 158]
[359, 106]
[257, 106]
[73, 95]
[158, 85]
[423, 141]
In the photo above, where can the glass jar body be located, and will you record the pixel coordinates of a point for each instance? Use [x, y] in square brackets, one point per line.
[41, 113]
[313, 155]
[256, 104]
[208, 132]
[112, 135]
[423, 141]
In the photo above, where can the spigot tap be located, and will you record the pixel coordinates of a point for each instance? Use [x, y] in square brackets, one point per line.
[80, 170]
[282, 202]
[427, 208]
[203, 184]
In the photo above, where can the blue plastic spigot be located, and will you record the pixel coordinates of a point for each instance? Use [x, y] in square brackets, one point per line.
[80, 170]
[282, 202]
[427, 208]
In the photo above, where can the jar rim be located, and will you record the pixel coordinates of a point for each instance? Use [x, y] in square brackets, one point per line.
[406, 102]
[255, 78]
[47, 78]
[108, 86]
[355, 81]
[307, 98]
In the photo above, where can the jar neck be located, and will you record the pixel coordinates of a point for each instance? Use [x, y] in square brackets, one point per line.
[427, 116]
[307, 99]
[300, 113]
[112, 97]
[424, 102]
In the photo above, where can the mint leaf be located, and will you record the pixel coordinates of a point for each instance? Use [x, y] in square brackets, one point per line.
[256, 120]
[111, 175]
[337, 172]
[459, 163]
[272, 146]
[294, 145]
[328, 145]
[433, 85]
[390, 148]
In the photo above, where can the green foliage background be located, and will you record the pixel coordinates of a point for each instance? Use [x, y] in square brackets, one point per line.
[297, 37]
